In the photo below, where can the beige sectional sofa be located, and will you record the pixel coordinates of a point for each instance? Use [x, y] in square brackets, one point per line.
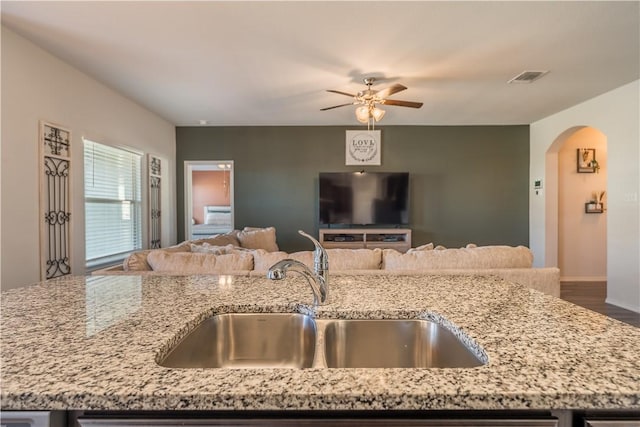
[253, 250]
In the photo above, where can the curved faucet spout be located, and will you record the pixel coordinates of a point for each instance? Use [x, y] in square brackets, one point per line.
[279, 270]
[318, 279]
[320, 257]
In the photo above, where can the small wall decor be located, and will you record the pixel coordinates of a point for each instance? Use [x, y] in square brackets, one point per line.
[55, 198]
[586, 160]
[596, 204]
[155, 180]
[363, 147]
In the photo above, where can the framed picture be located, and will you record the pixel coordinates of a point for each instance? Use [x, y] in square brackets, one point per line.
[586, 160]
[363, 147]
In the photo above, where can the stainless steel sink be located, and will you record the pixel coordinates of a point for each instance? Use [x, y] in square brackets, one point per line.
[394, 344]
[247, 340]
[290, 340]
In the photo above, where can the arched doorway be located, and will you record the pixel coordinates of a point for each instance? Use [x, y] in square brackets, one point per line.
[576, 231]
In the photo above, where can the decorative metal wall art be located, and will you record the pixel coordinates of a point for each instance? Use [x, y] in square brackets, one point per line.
[155, 192]
[55, 200]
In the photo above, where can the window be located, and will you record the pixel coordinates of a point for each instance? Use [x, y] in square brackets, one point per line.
[112, 203]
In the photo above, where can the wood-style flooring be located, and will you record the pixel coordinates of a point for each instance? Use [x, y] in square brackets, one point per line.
[592, 295]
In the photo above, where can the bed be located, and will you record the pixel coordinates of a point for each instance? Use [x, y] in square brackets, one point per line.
[217, 220]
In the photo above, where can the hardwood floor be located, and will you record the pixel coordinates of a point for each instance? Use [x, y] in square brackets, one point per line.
[592, 295]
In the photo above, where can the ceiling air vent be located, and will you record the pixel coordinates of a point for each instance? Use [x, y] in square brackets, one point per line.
[527, 76]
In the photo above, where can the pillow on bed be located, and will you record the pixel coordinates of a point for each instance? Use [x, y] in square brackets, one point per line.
[198, 263]
[258, 238]
[218, 218]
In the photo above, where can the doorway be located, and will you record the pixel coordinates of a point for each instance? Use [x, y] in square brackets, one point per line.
[208, 198]
[577, 226]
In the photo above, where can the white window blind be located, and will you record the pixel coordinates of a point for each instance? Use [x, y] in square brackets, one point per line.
[112, 200]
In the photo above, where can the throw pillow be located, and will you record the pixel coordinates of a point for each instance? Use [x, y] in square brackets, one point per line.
[427, 247]
[137, 261]
[229, 238]
[258, 238]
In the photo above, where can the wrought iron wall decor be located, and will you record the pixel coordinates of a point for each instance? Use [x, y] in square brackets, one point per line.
[55, 200]
[155, 192]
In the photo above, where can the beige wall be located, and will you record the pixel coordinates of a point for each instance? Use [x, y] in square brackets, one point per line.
[582, 237]
[615, 114]
[37, 86]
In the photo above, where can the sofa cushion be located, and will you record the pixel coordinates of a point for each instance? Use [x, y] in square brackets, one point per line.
[305, 257]
[354, 259]
[339, 259]
[258, 238]
[199, 263]
[480, 257]
[263, 260]
[206, 248]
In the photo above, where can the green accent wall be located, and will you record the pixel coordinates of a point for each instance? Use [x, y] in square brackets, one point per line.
[468, 184]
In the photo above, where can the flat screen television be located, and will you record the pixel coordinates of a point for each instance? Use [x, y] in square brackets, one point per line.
[364, 198]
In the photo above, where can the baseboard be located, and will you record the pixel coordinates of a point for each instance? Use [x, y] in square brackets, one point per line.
[624, 305]
[583, 278]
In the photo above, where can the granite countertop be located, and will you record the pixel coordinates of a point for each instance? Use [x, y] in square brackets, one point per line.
[91, 344]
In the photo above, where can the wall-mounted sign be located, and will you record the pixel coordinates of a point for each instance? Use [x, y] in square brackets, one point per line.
[363, 147]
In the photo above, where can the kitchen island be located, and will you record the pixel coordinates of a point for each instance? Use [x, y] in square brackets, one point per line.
[91, 344]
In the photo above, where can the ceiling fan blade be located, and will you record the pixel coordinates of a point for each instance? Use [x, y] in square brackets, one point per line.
[336, 106]
[401, 103]
[341, 93]
[383, 93]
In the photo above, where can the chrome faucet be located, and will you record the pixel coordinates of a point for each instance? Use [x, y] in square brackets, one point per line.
[318, 278]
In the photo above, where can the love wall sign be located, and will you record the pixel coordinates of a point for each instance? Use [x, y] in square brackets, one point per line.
[363, 147]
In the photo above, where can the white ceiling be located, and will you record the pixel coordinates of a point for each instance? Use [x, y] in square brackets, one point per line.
[270, 63]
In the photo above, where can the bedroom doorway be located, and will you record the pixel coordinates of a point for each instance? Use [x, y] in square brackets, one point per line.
[208, 198]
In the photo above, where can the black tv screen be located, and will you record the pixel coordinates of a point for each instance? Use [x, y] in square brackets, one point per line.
[364, 198]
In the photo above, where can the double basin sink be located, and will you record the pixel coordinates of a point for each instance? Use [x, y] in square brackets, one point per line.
[294, 340]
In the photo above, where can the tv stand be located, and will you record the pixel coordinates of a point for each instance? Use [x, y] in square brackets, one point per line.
[366, 238]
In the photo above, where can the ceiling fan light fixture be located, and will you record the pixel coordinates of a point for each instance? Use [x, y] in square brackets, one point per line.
[377, 113]
[362, 114]
[368, 99]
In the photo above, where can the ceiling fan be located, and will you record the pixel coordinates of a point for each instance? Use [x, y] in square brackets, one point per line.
[368, 98]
